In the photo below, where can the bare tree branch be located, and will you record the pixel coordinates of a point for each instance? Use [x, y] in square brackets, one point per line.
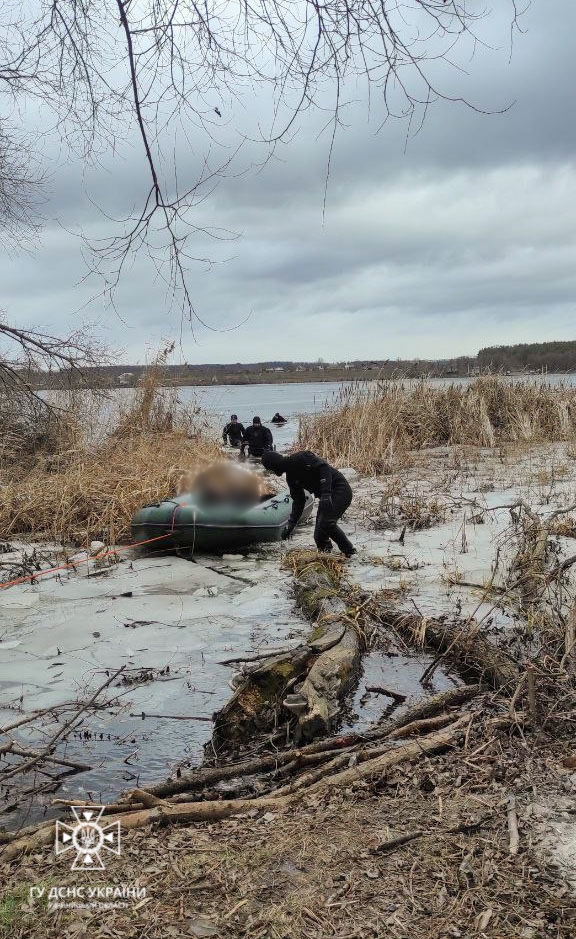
[156, 67]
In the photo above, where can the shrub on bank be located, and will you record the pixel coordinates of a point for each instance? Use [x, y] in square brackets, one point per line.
[85, 478]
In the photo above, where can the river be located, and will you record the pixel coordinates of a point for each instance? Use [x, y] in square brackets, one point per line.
[292, 400]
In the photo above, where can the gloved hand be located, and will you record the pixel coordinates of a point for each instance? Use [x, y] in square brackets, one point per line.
[325, 504]
[287, 533]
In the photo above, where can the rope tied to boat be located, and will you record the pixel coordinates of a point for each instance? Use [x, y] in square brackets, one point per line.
[74, 564]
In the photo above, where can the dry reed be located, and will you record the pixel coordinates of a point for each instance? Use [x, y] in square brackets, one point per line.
[372, 425]
[86, 481]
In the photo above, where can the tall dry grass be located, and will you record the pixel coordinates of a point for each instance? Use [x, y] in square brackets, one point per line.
[370, 427]
[98, 464]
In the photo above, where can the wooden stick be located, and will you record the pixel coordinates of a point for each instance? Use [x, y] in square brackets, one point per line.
[378, 766]
[423, 726]
[512, 825]
[569, 641]
[393, 843]
[173, 717]
[395, 695]
[17, 750]
[146, 798]
[255, 658]
[531, 688]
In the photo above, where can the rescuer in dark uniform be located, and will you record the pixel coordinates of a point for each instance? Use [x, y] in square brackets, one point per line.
[257, 438]
[306, 471]
[278, 419]
[233, 431]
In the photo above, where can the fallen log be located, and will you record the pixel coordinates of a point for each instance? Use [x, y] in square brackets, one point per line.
[329, 678]
[208, 776]
[336, 668]
[358, 757]
[328, 663]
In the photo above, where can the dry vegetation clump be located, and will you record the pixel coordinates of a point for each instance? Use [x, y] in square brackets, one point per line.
[413, 510]
[565, 528]
[86, 480]
[373, 424]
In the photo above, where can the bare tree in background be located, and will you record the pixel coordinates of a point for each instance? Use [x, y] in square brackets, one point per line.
[105, 69]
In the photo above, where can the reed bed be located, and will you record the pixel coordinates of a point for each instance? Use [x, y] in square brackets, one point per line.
[371, 426]
[97, 466]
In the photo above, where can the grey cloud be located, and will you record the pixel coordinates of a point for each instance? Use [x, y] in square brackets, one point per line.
[460, 236]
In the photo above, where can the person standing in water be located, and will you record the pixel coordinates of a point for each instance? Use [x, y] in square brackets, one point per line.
[233, 431]
[306, 471]
[257, 438]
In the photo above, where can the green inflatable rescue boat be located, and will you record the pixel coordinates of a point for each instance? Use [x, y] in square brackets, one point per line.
[191, 521]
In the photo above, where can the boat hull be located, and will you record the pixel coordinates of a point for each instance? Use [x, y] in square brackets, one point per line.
[185, 522]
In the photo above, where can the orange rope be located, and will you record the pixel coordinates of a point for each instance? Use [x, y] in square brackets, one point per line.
[74, 564]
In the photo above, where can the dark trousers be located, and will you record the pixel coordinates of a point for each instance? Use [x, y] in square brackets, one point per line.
[327, 522]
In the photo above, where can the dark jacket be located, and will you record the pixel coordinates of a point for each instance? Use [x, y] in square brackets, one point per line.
[306, 471]
[257, 438]
[234, 430]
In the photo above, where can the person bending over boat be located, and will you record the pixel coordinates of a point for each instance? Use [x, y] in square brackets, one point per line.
[306, 471]
[233, 431]
[278, 419]
[257, 438]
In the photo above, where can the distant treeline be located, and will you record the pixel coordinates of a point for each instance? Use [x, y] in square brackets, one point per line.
[533, 356]
[529, 358]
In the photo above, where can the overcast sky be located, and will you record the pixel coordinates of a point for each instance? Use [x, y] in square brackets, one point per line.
[461, 236]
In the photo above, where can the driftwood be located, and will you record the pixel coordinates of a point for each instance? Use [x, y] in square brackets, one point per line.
[331, 675]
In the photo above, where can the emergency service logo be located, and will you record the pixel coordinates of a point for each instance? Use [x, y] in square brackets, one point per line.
[88, 838]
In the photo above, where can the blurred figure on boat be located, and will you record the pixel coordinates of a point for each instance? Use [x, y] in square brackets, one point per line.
[230, 483]
[278, 419]
[307, 472]
[233, 431]
[256, 438]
